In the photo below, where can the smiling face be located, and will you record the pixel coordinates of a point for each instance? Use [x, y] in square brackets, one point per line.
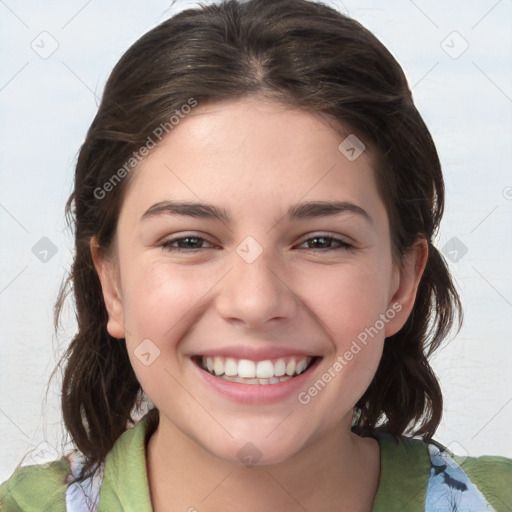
[261, 283]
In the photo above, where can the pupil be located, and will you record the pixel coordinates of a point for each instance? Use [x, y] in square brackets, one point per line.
[316, 239]
[187, 240]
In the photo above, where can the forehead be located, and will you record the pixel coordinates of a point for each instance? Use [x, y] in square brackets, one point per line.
[252, 126]
[253, 153]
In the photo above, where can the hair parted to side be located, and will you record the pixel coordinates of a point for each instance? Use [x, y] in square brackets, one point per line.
[302, 54]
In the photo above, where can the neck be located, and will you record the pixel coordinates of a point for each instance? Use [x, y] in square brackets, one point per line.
[339, 470]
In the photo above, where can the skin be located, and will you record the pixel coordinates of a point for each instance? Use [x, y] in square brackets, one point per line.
[255, 159]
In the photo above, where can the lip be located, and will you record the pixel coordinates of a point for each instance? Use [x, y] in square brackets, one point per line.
[256, 393]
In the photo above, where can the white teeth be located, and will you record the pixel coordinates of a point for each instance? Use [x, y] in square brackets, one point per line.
[301, 366]
[280, 368]
[231, 368]
[218, 366]
[272, 380]
[246, 369]
[251, 372]
[265, 370]
[290, 367]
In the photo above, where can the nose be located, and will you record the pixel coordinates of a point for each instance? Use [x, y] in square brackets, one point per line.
[253, 293]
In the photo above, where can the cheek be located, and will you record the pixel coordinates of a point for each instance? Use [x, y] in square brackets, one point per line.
[159, 301]
[349, 299]
[157, 296]
[352, 304]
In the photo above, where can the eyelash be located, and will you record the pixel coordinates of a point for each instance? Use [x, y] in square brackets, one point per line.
[167, 245]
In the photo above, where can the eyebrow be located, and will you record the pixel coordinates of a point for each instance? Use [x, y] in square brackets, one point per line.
[306, 210]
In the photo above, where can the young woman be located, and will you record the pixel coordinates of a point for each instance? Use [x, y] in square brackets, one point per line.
[254, 208]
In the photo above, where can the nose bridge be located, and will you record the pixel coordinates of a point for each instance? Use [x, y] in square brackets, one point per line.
[253, 290]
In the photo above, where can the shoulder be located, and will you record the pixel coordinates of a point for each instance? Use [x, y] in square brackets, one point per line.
[52, 487]
[440, 479]
[492, 475]
[478, 483]
[36, 487]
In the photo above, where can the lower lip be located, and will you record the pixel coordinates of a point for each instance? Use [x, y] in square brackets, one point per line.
[256, 393]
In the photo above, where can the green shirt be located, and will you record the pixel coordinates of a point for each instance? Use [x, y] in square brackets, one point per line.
[415, 477]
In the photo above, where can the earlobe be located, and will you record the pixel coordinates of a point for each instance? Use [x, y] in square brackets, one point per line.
[110, 287]
[408, 277]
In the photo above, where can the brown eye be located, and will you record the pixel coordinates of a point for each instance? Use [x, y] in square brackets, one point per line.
[324, 243]
[186, 243]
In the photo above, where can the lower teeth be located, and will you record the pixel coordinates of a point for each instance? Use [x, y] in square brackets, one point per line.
[241, 380]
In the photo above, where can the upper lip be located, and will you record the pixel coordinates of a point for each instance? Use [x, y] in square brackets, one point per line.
[255, 354]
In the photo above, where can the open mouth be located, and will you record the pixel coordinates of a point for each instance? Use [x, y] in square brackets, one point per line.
[245, 371]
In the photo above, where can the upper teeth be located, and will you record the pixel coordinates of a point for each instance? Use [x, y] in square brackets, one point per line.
[255, 369]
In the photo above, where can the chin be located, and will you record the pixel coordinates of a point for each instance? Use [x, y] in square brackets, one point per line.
[255, 450]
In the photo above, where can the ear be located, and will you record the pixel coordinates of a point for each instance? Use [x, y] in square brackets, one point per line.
[109, 279]
[405, 285]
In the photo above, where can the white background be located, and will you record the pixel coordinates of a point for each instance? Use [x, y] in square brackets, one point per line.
[48, 104]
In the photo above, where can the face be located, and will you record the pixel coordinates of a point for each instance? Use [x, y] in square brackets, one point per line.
[261, 317]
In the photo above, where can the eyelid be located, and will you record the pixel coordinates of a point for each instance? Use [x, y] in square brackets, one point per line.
[186, 234]
[319, 234]
[180, 236]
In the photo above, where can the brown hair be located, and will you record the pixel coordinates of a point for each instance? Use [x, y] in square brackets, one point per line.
[302, 54]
